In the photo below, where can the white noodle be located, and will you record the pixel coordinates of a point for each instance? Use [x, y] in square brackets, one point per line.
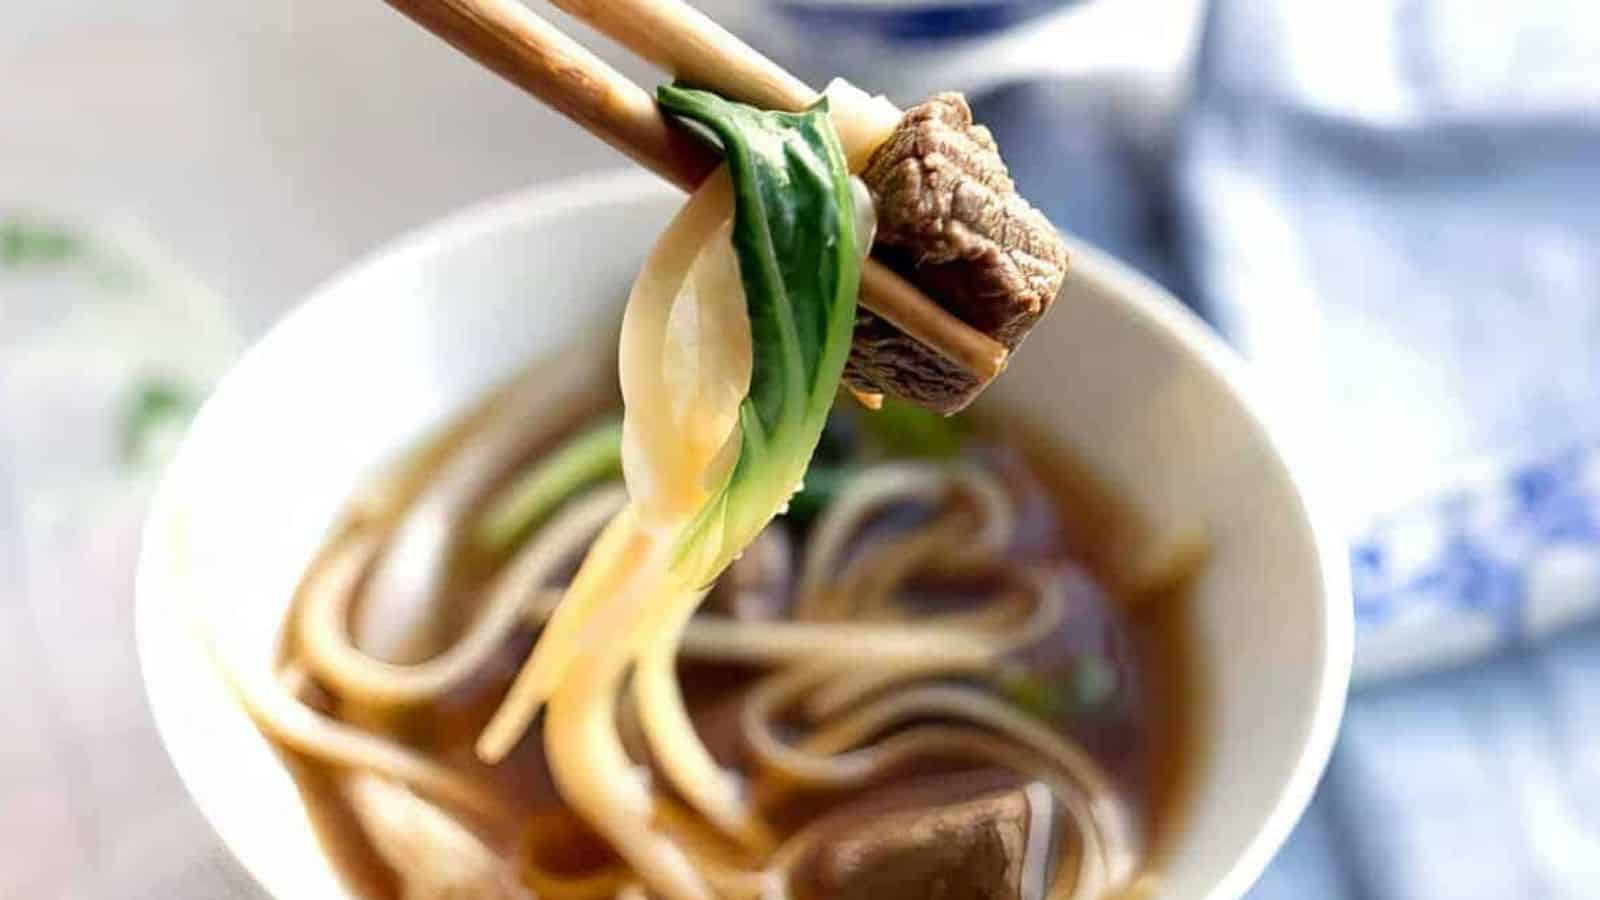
[434, 856]
[716, 793]
[407, 576]
[1103, 810]
[599, 781]
[848, 688]
[666, 478]
[295, 726]
[683, 377]
[883, 485]
[868, 493]
[329, 652]
[715, 637]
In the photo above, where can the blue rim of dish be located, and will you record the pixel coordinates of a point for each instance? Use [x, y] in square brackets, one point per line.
[907, 20]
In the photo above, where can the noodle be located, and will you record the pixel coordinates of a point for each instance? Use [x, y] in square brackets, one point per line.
[296, 727]
[879, 488]
[848, 689]
[602, 886]
[412, 622]
[597, 778]
[646, 430]
[713, 637]
[955, 643]
[355, 675]
[611, 569]
[865, 674]
[1107, 855]
[896, 482]
[964, 703]
[434, 854]
[1101, 815]
[827, 757]
[867, 586]
[293, 726]
[717, 794]
[685, 366]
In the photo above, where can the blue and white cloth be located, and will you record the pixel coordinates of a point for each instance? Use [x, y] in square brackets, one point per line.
[1392, 207]
[1402, 195]
[1394, 203]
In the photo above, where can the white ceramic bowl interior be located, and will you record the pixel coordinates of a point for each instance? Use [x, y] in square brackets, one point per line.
[1118, 371]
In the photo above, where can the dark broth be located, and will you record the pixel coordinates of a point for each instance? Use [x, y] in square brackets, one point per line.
[1108, 535]
[1143, 728]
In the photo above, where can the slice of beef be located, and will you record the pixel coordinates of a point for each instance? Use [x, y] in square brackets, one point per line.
[981, 847]
[950, 221]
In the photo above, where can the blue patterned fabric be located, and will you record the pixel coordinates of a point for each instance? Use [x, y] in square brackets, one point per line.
[1397, 203]
[1392, 208]
[1423, 175]
[1403, 194]
[1506, 556]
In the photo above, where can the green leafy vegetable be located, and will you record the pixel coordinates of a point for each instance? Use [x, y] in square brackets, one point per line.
[591, 457]
[1085, 688]
[823, 485]
[32, 243]
[794, 233]
[903, 430]
[900, 430]
[153, 417]
[834, 463]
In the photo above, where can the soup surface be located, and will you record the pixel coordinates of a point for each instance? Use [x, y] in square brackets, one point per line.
[948, 671]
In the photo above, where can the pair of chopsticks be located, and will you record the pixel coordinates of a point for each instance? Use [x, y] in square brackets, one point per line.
[534, 55]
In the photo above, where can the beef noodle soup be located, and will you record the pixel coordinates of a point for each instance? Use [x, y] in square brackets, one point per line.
[829, 668]
[728, 639]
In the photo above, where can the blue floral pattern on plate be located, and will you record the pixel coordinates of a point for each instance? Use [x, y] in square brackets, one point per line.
[1495, 561]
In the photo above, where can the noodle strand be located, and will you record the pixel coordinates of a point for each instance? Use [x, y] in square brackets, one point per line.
[324, 640]
[714, 792]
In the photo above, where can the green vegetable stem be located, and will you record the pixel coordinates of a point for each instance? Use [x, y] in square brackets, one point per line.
[585, 460]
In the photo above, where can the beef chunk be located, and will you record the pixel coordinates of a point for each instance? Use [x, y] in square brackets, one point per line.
[978, 848]
[950, 220]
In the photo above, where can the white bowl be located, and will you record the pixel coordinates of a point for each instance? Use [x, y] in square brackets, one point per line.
[1119, 371]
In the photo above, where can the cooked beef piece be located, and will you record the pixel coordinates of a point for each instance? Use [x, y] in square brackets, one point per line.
[976, 848]
[950, 220]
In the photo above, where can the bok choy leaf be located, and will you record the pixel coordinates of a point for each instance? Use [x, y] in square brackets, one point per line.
[794, 233]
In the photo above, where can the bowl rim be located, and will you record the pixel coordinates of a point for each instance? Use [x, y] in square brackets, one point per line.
[1148, 301]
[1158, 307]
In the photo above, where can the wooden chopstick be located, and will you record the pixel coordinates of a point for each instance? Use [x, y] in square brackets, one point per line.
[691, 46]
[531, 53]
